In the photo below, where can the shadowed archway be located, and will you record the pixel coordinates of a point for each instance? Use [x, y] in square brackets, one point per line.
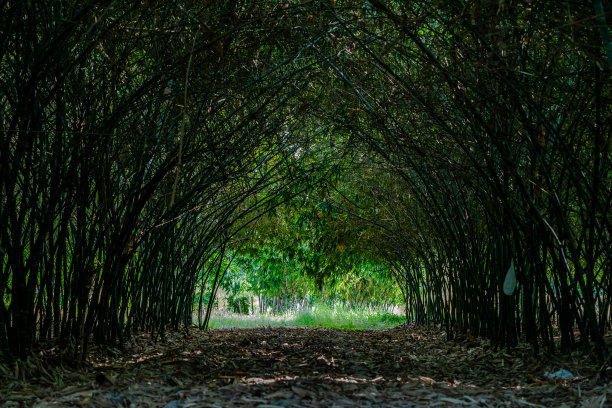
[466, 143]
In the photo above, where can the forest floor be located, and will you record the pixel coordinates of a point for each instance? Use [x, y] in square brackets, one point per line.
[305, 367]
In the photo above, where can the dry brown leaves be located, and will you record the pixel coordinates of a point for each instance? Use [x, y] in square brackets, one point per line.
[304, 367]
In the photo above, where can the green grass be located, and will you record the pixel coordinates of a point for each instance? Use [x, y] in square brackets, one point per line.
[318, 316]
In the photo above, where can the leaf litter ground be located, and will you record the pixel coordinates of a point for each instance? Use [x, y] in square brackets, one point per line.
[304, 367]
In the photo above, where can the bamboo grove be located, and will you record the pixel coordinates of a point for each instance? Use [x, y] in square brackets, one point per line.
[141, 143]
[496, 119]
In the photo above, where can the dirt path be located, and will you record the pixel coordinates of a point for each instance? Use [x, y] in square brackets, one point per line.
[302, 367]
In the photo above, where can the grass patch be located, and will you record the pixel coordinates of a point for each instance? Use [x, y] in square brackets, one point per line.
[316, 316]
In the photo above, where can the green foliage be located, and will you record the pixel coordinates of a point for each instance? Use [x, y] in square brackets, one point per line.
[307, 247]
[239, 304]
